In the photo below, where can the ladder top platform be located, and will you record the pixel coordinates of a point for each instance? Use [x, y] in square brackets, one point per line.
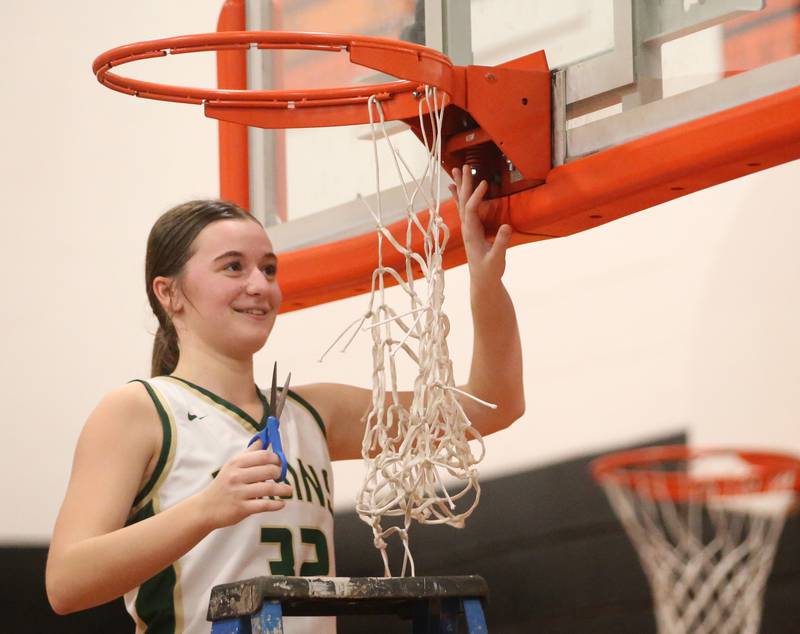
[338, 595]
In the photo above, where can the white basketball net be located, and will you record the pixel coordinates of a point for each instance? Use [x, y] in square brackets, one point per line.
[707, 560]
[408, 451]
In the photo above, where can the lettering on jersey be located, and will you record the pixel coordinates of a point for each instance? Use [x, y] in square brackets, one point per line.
[327, 490]
[295, 483]
[310, 478]
[309, 482]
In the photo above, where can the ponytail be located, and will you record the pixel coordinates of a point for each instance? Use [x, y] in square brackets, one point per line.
[165, 351]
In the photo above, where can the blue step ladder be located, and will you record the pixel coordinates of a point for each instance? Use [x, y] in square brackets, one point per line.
[435, 605]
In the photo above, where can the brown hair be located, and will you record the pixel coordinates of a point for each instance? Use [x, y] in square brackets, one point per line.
[169, 247]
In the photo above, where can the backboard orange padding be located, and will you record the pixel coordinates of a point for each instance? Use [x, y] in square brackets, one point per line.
[580, 195]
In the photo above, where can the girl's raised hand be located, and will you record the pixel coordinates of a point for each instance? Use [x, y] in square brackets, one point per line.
[242, 487]
[486, 257]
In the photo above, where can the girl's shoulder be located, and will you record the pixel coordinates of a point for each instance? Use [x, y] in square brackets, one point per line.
[131, 398]
[127, 413]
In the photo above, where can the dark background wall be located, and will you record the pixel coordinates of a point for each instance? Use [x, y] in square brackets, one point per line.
[554, 556]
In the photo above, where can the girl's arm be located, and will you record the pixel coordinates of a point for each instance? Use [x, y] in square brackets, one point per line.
[93, 556]
[496, 369]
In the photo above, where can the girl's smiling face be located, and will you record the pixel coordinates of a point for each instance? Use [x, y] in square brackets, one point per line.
[228, 295]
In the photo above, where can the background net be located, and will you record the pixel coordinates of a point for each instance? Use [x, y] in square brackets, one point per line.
[707, 553]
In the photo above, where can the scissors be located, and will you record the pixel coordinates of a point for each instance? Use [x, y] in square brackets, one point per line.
[271, 432]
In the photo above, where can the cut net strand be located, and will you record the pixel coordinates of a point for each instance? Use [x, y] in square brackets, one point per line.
[413, 452]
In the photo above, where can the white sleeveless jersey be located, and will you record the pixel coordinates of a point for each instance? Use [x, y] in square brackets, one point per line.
[201, 432]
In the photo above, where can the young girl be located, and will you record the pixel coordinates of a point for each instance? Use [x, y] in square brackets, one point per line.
[164, 501]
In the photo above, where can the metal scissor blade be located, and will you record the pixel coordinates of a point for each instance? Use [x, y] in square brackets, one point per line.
[273, 393]
[282, 398]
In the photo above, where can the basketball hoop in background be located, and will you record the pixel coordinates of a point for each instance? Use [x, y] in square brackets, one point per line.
[706, 525]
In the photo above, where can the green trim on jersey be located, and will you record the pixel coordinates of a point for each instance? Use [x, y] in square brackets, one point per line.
[155, 601]
[166, 444]
[314, 413]
[244, 415]
[230, 406]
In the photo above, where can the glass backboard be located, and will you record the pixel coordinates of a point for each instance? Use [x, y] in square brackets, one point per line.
[622, 70]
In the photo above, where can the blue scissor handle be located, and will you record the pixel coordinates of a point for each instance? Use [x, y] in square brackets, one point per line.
[273, 430]
[263, 436]
[271, 435]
